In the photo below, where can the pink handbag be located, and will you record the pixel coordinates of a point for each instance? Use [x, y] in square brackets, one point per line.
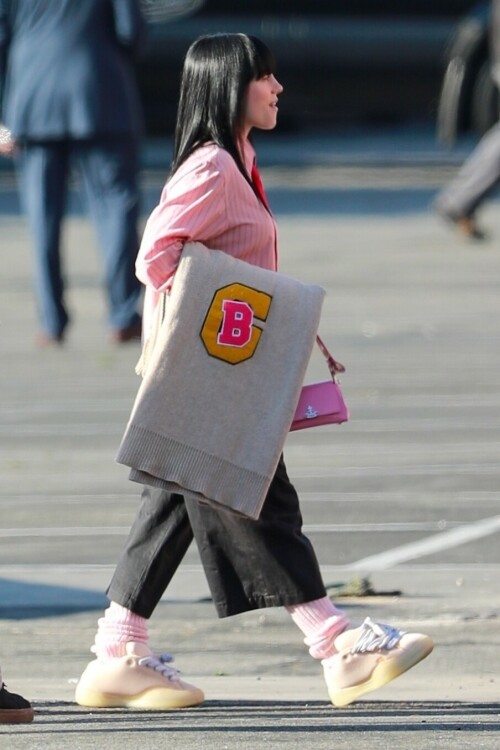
[321, 403]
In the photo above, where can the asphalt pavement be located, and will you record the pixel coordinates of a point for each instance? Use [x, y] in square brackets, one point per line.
[401, 503]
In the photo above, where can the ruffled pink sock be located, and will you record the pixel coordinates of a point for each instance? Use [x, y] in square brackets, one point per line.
[118, 626]
[321, 622]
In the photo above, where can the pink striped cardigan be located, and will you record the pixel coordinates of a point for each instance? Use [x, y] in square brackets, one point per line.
[207, 200]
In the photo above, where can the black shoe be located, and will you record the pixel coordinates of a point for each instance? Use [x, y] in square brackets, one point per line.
[129, 334]
[14, 709]
[46, 340]
[468, 228]
[466, 225]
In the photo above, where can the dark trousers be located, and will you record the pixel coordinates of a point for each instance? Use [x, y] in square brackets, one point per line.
[109, 171]
[248, 564]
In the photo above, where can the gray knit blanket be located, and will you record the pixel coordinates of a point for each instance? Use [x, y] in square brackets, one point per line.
[222, 381]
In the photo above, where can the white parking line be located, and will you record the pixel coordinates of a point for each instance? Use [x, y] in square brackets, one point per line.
[328, 528]
[430, 545]
[61, 531]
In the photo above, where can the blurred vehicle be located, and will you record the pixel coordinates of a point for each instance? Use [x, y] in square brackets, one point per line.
[340, 61]
[469, 96]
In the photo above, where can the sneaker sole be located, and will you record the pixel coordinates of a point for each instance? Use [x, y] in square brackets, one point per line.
[16, 715]
[384, 672]
[155, 699]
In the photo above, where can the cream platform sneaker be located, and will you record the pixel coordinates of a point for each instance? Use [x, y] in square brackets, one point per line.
[138, 680]
[369, 657]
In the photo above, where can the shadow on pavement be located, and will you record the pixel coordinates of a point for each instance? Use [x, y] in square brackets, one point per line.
[45, 600]
[350, 202]
[271, 717]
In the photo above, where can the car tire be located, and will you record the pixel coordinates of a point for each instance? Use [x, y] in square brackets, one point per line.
[484, 100]
[450, 112]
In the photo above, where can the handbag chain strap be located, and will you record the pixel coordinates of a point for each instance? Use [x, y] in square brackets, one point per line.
[334, 366]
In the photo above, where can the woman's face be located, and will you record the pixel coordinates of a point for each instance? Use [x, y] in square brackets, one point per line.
[261, 108]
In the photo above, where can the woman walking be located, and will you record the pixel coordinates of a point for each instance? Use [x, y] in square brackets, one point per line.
[214, 196]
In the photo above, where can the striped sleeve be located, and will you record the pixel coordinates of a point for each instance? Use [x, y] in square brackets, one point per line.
[192, 208]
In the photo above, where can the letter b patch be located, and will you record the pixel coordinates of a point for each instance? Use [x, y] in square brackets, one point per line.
[229, 332]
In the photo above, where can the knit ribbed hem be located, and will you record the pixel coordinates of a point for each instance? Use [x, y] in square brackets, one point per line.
[118, 627]
[311, 616]
[166, 463]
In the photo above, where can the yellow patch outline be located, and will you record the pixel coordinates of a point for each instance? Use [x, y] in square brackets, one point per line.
[260, 304]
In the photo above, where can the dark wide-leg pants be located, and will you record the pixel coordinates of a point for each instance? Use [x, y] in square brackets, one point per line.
[248, 564]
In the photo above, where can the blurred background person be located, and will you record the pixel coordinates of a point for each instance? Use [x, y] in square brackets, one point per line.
[14, 709]
[480, 173]
[68, 95]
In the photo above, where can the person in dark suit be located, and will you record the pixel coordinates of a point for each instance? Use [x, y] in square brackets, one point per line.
[68, 95]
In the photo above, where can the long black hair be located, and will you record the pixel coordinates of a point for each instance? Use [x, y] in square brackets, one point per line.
[217, 70]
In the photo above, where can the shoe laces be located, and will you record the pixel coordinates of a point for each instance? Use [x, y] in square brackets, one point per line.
[161, 663]
[376, 636]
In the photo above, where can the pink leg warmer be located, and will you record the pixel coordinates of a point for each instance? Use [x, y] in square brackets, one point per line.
[118, 626]
[321, 622]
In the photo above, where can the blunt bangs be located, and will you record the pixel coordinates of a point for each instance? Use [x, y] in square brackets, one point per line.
[263, 62]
